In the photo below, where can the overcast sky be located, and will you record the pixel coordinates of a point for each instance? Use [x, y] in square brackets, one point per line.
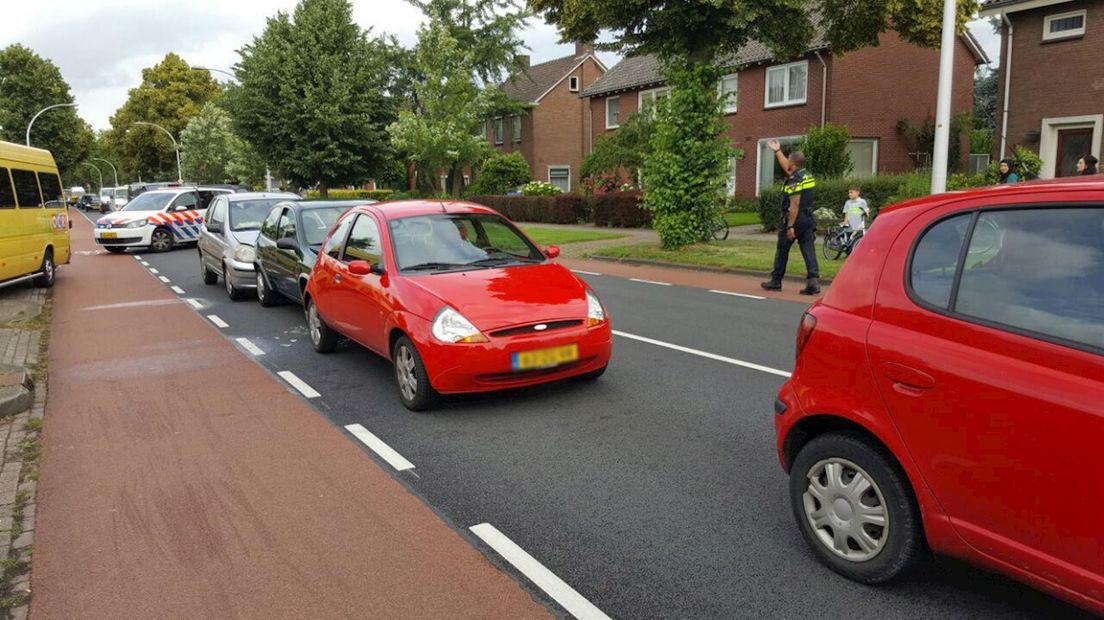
[102, 46]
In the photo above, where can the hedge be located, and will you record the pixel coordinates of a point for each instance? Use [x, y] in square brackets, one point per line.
[613, 209]
[353, 194]
[832, 193]
[618, 209]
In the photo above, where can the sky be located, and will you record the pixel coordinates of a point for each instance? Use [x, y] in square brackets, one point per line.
[102, 46]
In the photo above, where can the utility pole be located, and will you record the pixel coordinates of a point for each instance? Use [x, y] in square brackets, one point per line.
[943, 100]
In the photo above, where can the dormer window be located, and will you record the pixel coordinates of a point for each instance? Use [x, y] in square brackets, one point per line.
[573, 83]
[1064, 25]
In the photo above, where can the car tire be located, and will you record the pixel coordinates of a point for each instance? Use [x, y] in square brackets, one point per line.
[161, 240]
[209, 277]
[592, 375]
[115, 250]
[885, 552]
[322, 337]
[48, 269]
[265, 294]
[233, 292]
[411, 377]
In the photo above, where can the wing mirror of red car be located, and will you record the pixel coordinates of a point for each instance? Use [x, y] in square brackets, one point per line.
[363, 268]
[552, 251]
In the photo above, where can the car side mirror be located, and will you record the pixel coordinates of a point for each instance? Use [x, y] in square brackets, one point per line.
[360, 267]
[552, 251]
[213, 228]
[287, 243]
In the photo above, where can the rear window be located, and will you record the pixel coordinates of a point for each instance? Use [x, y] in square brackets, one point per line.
[7, 194]
[934, 263]
[26, 189]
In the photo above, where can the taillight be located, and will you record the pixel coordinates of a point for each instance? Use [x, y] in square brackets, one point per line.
[804, 330]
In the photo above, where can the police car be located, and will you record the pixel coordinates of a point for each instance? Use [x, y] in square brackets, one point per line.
[157, 220]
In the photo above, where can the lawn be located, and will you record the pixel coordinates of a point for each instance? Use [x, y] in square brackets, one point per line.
[560, 236]
[746, 254]
[742, 218]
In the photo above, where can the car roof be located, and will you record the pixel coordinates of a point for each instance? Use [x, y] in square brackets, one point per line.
[408, 208]
[260, 196]
[1052, 187]
[301, 205]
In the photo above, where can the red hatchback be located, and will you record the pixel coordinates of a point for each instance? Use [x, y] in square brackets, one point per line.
[457, 298]
[949, 392]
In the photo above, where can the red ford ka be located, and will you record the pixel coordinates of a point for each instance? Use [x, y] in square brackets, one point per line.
[457, 298]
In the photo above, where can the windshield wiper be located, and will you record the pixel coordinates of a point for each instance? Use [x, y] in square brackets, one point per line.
[501, 260]
[431, 266]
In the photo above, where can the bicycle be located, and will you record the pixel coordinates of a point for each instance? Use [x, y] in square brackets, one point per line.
[719, 227]
[839, 241]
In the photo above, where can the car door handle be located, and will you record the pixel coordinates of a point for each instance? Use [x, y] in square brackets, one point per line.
[906, 379]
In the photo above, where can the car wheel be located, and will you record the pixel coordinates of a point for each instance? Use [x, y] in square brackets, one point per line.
[265, 295]
[855, 508]
[232, 291]
[161, 240]
[592, 375]
[115, 250]
[415, 392]
[48, 269]
[322, 337]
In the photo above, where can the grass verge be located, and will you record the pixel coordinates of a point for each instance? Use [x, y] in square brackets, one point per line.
[741, 254]
[742, 219]
[557, 236]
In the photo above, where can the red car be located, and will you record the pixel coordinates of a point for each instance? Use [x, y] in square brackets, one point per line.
[948, 392]
[457, 298]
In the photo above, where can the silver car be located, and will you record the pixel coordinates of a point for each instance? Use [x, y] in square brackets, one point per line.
[228, 240]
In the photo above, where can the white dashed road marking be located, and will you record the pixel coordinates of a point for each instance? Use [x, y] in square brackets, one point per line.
[145, 264]
[136, 257]
[649, 282]
[249, 346]
[586, 273]
[375, 444]
[164, 279]
[544, 579]
[745, 295]
[178, 290]
[217, 321]
[298, 384]
[195, 303]
[154, 271]
[705, 354]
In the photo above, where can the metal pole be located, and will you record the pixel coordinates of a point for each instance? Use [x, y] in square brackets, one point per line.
[943, 101]
[97, 172]
[232, 76]
[113, 170]
[179, 174]
[35, 118]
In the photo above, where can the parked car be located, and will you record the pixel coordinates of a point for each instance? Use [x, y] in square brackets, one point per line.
[107, 199]
[34, 217]
[88, 202]
[119, 198]
[288, 245]
[948, 392]
[456, 297]
[157, 220]
[228, 240]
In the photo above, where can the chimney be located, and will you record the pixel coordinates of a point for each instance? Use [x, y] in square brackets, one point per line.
[583, 48]
[524, 60]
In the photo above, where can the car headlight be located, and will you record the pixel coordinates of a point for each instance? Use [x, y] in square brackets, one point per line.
[245, 254]
[451, 326]
[596, 314]
[137, 224]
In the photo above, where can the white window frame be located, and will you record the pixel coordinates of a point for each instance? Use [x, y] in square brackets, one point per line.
[730, 178]
[874, 158]
[568, 168]
[515, 127]
[618, 124]
[1065, 34]
[573, 83]
[654, 92]
[786, 101]
[785, 140]
[735, 93]
[499, 130]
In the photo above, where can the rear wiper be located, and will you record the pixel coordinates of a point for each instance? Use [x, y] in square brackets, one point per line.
[429, 266]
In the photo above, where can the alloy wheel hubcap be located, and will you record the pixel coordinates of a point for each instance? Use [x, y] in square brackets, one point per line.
[160, 240]
[846, 510]
[404, 373]
[313, 324]
[260, 285]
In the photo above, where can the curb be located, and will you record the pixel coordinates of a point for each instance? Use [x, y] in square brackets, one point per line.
[643, 262]
[17, 390]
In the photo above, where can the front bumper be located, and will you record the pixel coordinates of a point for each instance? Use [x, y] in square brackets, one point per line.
[485, 367]
[242, 275]
[124, 237]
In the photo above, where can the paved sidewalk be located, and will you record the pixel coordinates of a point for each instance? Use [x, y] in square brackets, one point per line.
[634, 236]
[181, 480]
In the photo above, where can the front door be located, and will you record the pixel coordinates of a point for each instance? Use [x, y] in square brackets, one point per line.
[363, 298]
[1073, 144]
[286, 262]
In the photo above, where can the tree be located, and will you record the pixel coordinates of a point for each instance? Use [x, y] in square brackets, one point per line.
[207, 145]
[825, 148]
[985, 99]
[501, 173]
[170, 95]
[625, 150]
[29, 83]
[486, 29]
[313, 98]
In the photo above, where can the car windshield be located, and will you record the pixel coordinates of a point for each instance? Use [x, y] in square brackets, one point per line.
[446, 241]
[250, 214]
[150, 201]
[318, 222]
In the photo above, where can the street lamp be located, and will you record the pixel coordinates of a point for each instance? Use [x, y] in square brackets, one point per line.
[179, 174]
[84, 163]
[35, 118]
[223, 71]
[943, 100]
[113, 170]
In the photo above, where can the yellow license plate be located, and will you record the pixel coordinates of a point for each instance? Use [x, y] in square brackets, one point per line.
[109, 235]
[545, 358]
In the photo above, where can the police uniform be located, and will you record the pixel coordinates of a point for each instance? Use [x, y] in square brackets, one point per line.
[803, 185]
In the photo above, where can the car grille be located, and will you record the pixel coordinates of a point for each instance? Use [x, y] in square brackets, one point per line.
[532, 329]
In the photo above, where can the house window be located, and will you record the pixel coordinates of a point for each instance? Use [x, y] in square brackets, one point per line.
[648, 99]
[560, 176]
[515, 127]
[864, 158]
[786, 84]
[726, 92]
[1064, 25]
[730, 180]
[768, 171]
[613, 112]
[573, 83]
[498, 130]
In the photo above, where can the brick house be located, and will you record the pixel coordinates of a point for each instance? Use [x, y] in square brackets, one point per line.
[868, 90]
[1050, 96]
[553, 135]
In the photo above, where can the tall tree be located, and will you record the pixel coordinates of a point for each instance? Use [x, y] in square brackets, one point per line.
[29, 83]
[213, 153]
[171, 94]
[315, 96]
[985, 99]
[486, 29]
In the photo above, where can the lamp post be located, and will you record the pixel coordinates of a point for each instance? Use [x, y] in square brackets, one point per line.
[94, 167]
[223, 71]
[35, 118]
[113, 170]
[943, 100]
[179, 174]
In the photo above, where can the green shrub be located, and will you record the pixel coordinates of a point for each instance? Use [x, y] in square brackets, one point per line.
[501, 173]
[354, 194]
[561, 209]
[736, 204]
[1025, 163]
[825, 149]
[540, 188]
[832, 193]
[621, 209]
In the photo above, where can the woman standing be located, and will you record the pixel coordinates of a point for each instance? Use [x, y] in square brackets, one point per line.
[1006, 173]
[1087, 165]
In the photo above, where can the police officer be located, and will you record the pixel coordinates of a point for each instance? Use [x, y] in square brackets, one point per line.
[797, 223]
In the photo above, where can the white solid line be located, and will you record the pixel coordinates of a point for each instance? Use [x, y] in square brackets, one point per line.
[298, 384]
[249, 346]
[217, 321]
[385, 452]
[707, 355]
[154, 271]
[178, 290]
[586, 273]
[164, 279]
[545, 579]
[736, 294]
[649, 282]
[195, 303]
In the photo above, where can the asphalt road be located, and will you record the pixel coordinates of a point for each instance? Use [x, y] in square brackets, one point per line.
[654, 492]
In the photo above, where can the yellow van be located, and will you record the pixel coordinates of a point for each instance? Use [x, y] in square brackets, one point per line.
[34, 219]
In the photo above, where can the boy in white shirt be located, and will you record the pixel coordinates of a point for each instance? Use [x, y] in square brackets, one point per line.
[855, 211]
